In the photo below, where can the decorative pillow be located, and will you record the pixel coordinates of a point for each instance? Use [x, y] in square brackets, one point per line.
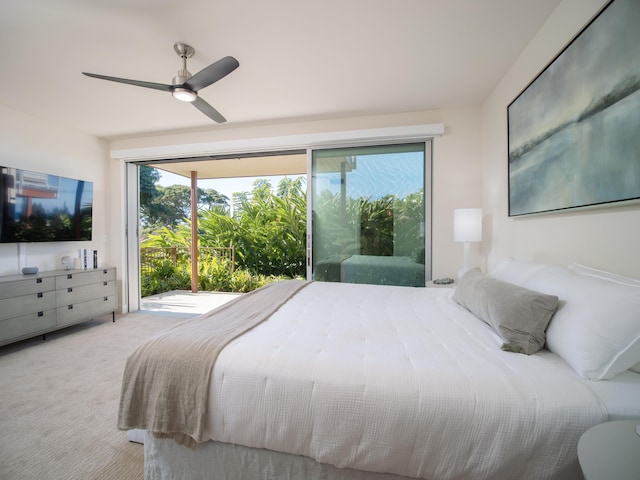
[519, 315]
[596, 329]
[516, 271]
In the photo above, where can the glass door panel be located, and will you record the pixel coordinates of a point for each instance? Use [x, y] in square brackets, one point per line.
[368, 214]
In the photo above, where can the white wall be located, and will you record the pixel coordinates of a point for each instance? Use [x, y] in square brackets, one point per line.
[605, 238]
[456, 184]
[456, 161]
[32, 144]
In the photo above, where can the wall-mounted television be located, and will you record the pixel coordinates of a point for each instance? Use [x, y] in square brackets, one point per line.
[38, 207]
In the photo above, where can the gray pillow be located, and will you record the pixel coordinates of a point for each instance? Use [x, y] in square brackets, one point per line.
[519, 315]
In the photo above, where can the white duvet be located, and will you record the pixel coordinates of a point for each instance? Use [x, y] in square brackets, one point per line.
[398, 380]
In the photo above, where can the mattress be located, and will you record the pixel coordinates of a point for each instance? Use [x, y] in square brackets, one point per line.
[399, 381]
[620, 396]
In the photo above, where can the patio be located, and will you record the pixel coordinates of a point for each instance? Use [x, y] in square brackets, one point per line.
[183, 303]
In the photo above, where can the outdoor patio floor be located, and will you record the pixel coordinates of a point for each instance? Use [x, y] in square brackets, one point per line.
[184, 303]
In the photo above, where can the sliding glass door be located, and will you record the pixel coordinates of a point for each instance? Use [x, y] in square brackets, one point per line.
[369, 214]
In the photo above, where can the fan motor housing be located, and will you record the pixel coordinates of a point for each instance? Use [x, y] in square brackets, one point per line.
[182, 76]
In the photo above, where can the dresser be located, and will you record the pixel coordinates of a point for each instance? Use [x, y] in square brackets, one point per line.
[36, 304]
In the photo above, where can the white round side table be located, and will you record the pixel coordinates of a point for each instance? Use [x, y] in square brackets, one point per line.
[611, 450]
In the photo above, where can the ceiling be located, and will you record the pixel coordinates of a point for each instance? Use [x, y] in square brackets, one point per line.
[291, 163]
[299, 59]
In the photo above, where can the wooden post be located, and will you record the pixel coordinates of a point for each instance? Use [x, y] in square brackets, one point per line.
[194, 231]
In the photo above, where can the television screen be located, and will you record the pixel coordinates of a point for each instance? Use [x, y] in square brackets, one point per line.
[36, 207]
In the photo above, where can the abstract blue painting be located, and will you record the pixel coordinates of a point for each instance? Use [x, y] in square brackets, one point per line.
[574, 132]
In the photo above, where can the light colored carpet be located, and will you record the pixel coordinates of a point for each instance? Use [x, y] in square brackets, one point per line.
[59, 401]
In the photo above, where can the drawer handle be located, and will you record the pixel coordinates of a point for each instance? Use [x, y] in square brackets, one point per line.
[40, 295]
[104, 271]
[106, 299]
[38, 280]
[70, 307]
[41, 314]
[104, 283]
[69, 276]
[70, 289]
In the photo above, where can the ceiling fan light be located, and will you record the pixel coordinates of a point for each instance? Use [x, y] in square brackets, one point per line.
[184, 94]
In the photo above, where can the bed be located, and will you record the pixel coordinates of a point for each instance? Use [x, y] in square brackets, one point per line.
[349, 381]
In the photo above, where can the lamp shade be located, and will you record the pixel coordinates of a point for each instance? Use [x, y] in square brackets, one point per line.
[467, 225]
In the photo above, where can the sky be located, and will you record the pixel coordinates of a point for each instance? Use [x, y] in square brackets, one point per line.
[226, 186]
[376, 176]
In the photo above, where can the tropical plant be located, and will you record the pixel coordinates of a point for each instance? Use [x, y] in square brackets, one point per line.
[171, 206]
[268, 235]
[166, 276]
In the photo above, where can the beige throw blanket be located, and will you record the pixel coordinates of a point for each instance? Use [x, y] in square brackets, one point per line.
[165, 388]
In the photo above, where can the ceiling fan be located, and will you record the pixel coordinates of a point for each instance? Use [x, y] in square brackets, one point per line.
[184, 86]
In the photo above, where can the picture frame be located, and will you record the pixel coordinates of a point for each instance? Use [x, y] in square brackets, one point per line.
[574, 131]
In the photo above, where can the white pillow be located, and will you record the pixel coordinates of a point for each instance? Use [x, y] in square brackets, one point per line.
[516, 271]
[612, 277]
[596, 329]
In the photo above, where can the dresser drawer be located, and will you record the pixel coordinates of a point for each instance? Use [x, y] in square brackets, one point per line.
[27, 325]
[75, 278]
[24, 287]
[75, 312]
[25, 304]
[83, 293]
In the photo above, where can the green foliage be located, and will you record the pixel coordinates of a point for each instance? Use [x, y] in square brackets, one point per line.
[409, 231]
[385, 226]
[165, 277]
[149, 176]
[180, 236]
[171, 206]
[214, 275]
[268, 234]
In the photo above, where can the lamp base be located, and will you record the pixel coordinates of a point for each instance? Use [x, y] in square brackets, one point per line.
[465, 266]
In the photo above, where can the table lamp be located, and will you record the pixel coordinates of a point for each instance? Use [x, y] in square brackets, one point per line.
[467, 228]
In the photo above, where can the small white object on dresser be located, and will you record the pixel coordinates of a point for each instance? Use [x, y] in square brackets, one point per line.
[611, 450]
[37, 304]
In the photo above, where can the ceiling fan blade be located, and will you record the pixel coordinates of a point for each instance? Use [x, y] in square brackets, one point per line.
[208, 110]
[137, 83]
[212, 73]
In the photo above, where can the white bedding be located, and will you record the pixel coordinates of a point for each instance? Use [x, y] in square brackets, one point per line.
[620, 395]
[386, 379]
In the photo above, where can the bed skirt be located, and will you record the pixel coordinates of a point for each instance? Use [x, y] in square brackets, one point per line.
[164, 459]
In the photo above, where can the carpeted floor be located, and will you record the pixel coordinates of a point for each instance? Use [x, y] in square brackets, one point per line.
[59, 401]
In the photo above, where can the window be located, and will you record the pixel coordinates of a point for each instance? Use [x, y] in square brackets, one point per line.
[369, 209]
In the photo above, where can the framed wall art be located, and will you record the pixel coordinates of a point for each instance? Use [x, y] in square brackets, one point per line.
[574, 131]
